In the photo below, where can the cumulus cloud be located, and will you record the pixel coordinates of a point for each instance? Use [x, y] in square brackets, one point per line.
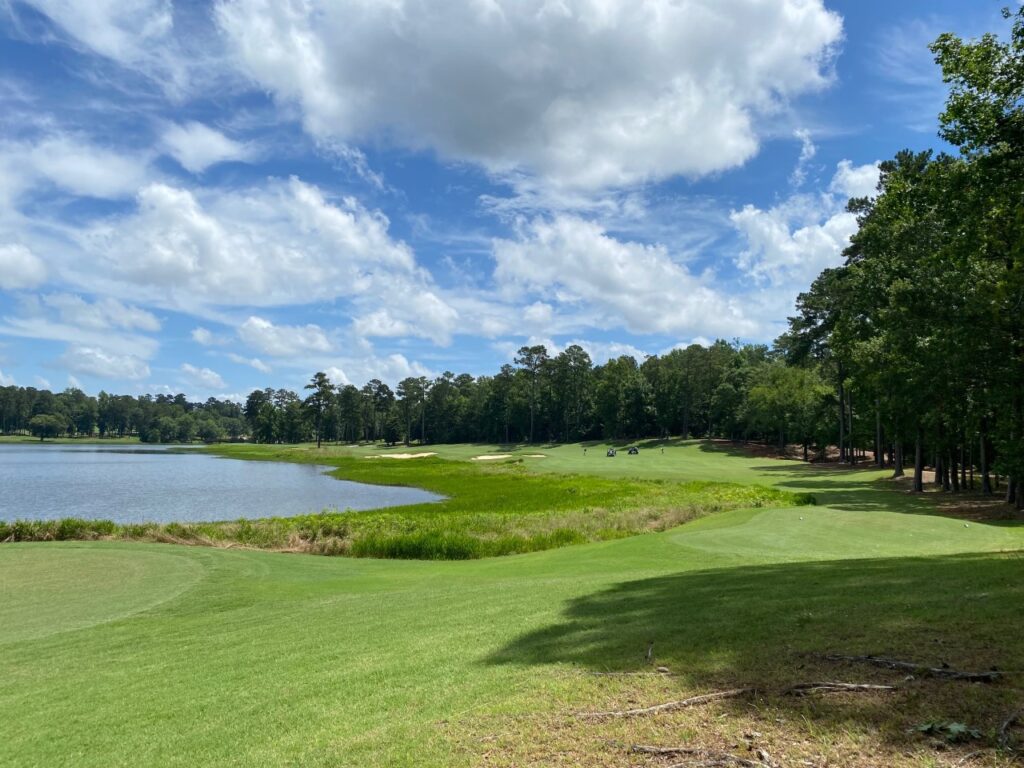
[202, 377]
[196, 146]
[20, 268]
[6, 381]
[789, 244]
[252, 362]
[203, 336]
[575, 264]
[283, 340]
[100, 314]
[583, 93]
[283, 243]
[35, 319]
[855, 181]
[80, 167]
[95, 361]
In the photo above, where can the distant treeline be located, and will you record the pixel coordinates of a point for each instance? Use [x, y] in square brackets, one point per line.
[725, 390]
[153, 419]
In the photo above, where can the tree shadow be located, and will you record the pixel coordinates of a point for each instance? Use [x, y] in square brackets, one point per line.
[769, 625]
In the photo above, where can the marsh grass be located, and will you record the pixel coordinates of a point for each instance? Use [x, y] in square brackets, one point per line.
[493, 510]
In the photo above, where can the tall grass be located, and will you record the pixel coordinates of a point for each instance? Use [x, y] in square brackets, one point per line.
[488, 511]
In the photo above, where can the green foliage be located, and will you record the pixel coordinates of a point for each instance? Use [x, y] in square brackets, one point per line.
[950, 731]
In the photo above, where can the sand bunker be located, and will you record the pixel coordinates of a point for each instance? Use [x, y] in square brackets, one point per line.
[495, 456]
[402, 455]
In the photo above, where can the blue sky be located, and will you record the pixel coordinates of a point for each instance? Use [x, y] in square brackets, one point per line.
[211, 197]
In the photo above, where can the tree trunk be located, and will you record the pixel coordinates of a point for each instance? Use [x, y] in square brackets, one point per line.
[879, 444]
[954, 476]
[986, 481]
[919, 462]
[897, 461]
[842, 419]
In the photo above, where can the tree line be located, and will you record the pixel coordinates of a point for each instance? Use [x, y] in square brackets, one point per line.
[921, 330]
[152, 419]
[722, 390]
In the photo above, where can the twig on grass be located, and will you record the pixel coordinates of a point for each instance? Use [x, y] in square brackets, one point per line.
[1004, 736]
[944, 671]
[672, 705]
[805, 689]
[706, 758]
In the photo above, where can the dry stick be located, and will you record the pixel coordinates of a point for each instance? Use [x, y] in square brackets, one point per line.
[805, 689]
[671, 705]
[707, 757]
[946, 672]
[1003, 735]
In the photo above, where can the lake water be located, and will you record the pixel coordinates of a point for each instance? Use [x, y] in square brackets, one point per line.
[133, 484]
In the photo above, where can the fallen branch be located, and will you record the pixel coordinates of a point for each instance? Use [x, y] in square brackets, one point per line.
[946, 672]
[1004, 736]
[706, 758]
[805, 689]
[673, 705]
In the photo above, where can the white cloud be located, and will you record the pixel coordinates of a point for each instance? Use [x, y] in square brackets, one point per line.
[196, 146]
[6, 381]
[101, 314]
[202, 377]
[253, 362]
[789, 244]
[283, 340]
[807, 152]
[584, 93]
[73, 382]
[122, 30]
[203, 336]
[83, 168]
[20, 268]
[381, 323]
[576, 265]
[138, 35]
[34, 321]
[281, 244]
[855, 181]
[95, 361]
[42, 382]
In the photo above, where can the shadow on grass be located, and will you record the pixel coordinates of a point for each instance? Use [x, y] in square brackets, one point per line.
[765, 625]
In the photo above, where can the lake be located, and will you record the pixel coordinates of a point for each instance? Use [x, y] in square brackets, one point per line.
[141, 483]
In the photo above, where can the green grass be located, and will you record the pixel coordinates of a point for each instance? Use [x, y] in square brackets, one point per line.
[126, 654]
[490, 509]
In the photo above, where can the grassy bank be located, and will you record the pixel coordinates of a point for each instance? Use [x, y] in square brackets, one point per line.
[490, 509]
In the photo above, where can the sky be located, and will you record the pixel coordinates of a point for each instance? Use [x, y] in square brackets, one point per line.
[212, 197]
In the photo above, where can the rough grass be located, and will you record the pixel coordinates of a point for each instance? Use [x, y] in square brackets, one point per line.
[493, 510]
